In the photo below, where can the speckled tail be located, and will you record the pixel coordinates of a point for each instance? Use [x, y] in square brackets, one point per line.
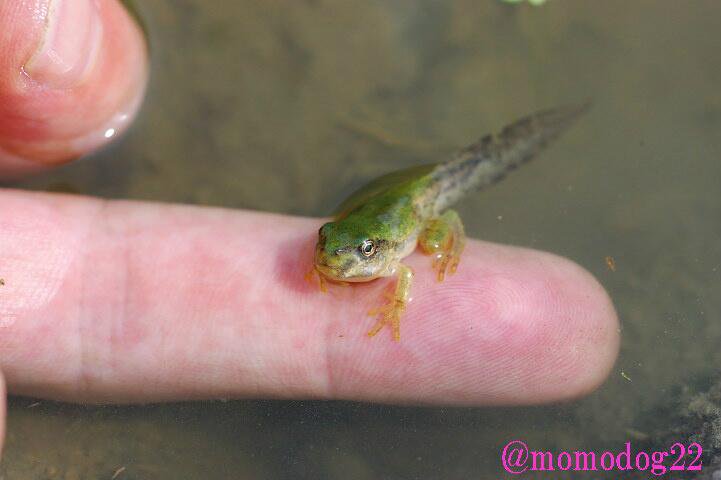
[493, 156]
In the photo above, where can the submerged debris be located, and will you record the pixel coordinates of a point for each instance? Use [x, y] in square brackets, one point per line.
[611, 263]
[117, 473]
[694, 415]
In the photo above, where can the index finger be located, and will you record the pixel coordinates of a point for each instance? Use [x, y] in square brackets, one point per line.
[125, 301]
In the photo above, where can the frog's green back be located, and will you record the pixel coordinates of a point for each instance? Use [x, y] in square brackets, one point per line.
[380, 185]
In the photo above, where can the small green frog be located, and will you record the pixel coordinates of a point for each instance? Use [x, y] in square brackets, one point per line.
[383, 222]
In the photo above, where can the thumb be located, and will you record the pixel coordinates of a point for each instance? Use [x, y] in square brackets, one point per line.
[72, 76]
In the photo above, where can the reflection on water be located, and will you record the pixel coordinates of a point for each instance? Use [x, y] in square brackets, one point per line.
[267, 105]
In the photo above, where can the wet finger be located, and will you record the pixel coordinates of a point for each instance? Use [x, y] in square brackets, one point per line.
[126, 301]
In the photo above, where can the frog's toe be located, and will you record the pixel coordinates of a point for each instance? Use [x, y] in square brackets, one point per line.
[377, 327]
[441, 265]
[454, 265]
[308, 277]
[322, 285]
[446, 262]
[388, 314]
[444, 238]
[391, 317]
[453, 259]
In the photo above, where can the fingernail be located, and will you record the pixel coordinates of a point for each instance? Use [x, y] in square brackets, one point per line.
[69, 44]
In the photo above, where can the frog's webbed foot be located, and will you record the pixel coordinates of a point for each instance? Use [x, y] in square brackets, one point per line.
[444, 238]
[390, 313]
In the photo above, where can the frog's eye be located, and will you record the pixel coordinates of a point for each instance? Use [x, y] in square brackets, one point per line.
[367, 248]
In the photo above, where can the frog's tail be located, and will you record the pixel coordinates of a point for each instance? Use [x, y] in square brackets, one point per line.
[493, 156]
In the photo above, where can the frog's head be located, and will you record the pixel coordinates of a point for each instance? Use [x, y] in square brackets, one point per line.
[349, 252]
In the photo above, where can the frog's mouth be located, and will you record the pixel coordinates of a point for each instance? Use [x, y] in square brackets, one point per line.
[323, 264]
[322, 267]
[341, 269]
[340, 272]
[339, 275]
[329, 272]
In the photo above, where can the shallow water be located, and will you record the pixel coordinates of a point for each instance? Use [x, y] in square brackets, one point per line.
[272, 105]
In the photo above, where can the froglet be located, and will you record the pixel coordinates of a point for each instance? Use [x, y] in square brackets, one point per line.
[384, 221]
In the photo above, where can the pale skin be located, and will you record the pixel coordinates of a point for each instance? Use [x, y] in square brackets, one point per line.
[120, 302]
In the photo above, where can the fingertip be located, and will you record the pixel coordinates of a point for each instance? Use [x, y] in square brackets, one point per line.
[72, 77]
[604, 339]
[512, 327]
[555, 329]
[581, 342]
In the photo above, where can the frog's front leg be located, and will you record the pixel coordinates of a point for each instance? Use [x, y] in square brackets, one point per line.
[322, 283]
[390, 313]
[444, 238]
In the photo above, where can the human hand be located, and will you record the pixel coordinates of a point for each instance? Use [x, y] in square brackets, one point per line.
[127, 301]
